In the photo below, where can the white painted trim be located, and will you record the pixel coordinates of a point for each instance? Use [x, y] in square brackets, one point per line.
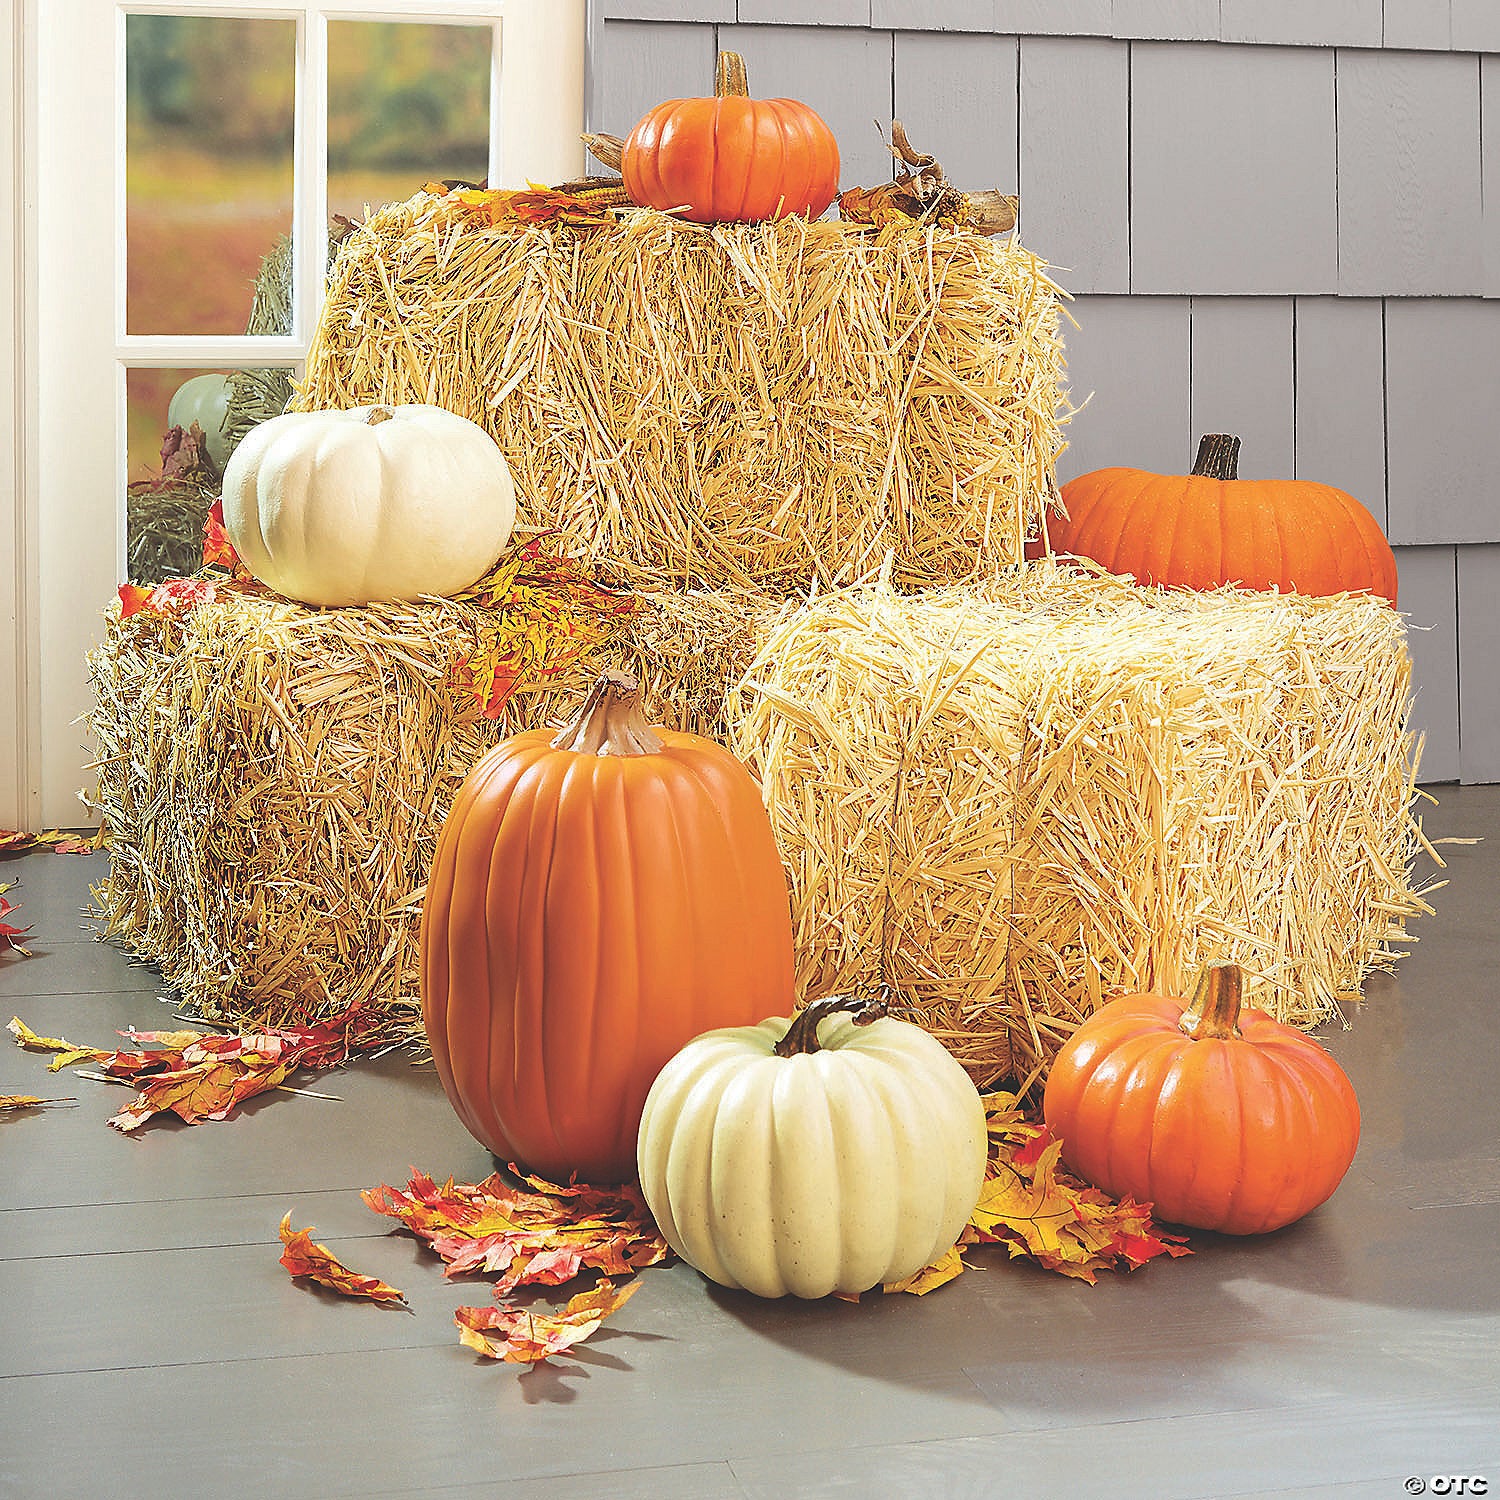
[66, 424]
[20, 790]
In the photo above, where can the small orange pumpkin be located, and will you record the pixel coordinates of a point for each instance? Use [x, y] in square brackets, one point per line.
[597, 899]
[1223, 1118]
[732, 159]
[1209, 528]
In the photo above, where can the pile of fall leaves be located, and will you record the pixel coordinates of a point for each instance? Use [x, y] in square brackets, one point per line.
[530, 1233]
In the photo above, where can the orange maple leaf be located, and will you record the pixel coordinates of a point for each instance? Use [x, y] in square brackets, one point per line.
[531, 1235]
[202, 1091]
[318, 1263]
[218, 550]
[1033, 1206]
[529, 1336]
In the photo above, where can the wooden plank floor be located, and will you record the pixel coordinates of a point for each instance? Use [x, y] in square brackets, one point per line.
[153, 1346]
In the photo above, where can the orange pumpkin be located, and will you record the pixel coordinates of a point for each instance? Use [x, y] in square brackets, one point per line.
[1208, 528]
[1223, 1118]
[732, 158]
[597, 899]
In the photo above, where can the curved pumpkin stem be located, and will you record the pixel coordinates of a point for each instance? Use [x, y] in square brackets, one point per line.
[379, 414]
[1215, 1011]
[802, 1035]
[1218, 456]
[731, 80]
[610, 721]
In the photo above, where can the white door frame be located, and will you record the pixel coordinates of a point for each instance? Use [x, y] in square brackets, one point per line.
[63, 331]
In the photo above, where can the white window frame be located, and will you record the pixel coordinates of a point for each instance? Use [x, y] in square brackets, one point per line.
[63, 328]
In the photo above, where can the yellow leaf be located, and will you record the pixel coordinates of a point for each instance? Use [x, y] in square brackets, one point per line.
[27, 1038]
[929, 1278]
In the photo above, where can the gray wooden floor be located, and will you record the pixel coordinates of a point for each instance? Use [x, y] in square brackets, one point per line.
[153, 1347]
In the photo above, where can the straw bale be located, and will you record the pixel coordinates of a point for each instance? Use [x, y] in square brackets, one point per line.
[272, 778]
[729, 406]
[1009, 802]
[164, 526]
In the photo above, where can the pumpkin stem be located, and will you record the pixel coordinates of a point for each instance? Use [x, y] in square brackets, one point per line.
[1218, 456]
[1215, 1011]
[731, 80]
[802, 1035]
[379, 414]
[610, 721]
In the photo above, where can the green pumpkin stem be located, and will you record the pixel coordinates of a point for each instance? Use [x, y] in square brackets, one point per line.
[802, 1035]
[731, 80]
[1215, 1011]
[610, 721]
[1218, 456]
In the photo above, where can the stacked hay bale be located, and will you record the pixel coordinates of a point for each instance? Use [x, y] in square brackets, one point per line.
[754, 407]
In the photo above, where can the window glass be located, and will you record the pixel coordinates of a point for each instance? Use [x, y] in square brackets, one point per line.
[408, 103]
[174, 482]
[209, 131]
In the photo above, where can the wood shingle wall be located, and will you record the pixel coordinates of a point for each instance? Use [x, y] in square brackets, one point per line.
[1279, 218]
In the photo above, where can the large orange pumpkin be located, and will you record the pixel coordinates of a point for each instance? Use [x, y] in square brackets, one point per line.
[732, 158]
[596, 900]
[1223, 1118]
[1208, 528]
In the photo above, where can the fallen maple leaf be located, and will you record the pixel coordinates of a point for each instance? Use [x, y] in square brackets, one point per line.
[531, 1336]
[174, 599]
[318, 1263]
[89, 845]
[202, 1076]
[1035, 1207]
[543, 612]
[27, 1038]
[9, 932]
[939, 1273]
[29, 1101]
[206, 1090]
[218, 550]
[14, 841]
[541, 1234]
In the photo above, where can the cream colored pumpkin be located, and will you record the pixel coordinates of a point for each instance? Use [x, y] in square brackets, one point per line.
[205, 400]
[374, 503]
[828, 1170]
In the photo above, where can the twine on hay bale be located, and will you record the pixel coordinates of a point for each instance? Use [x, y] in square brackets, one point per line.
[729, 406]
[272, 778]
[1009, 802]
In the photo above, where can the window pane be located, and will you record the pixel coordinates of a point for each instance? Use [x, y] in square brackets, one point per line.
[408, 103]
[209, 126]
[171, 488]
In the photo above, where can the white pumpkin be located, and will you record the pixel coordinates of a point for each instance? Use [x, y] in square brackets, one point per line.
[205, 400]
[374, 503]
[827, 1170]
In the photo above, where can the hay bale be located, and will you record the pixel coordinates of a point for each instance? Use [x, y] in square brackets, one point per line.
[1009, 802]
[735, 406]
[272, 779]
[164, 520]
